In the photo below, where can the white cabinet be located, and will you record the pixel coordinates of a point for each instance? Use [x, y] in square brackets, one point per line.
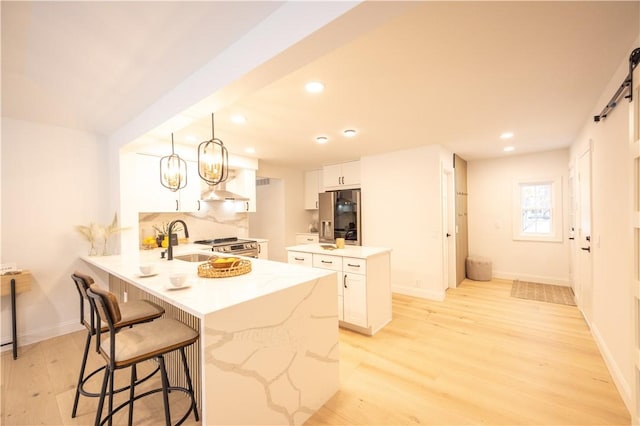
[313, 184]
[300, 258]
[333, 263]
[307, 238]
[263, 250]
[363, 285]
[244, 183]
[355, 298]
[155, 198]
[341, 176]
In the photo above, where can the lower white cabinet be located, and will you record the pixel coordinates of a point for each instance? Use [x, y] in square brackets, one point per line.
[362, 284]
[307, 238]
[263, 250]
[299, 258]
[355, 298]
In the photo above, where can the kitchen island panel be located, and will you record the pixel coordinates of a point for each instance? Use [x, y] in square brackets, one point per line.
[277, 354]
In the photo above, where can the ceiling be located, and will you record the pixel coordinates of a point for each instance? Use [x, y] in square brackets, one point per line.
[456, 74]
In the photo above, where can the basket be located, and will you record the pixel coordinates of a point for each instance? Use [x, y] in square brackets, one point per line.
[208, 270]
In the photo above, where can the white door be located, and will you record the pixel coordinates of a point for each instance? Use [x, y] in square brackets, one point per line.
[584, 284]
[448, 237]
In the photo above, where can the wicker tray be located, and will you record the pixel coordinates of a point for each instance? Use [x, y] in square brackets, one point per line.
[239, 267]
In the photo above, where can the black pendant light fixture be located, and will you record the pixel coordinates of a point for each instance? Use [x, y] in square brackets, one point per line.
[213, 159]
[173, 171]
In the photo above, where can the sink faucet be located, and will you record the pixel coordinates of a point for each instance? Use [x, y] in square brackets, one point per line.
[170, 231]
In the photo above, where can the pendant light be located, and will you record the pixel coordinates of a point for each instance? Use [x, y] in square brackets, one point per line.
[173, 171]
[213, 159]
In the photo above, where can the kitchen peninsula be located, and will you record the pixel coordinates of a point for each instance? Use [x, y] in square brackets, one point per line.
[268, 347]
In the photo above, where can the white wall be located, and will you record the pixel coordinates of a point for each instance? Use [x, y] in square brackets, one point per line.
[52, 180]
[291, 209]
[490, 209]
[612, 237]
[268, 221]
[401, 209]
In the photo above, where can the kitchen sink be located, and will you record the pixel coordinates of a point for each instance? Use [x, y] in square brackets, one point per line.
[193, 257]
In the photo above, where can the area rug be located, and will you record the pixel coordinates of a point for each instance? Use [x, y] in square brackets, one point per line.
[543, 292]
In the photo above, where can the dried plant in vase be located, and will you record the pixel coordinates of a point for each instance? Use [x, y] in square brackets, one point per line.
[94, 232]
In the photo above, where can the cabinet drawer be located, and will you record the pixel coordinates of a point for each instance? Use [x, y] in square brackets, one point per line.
[326, 261]
[300, 258]
[355, 265]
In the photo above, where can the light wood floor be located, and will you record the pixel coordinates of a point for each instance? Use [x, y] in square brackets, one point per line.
[479, 357]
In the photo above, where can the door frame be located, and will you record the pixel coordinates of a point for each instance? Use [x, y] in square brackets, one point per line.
[447, 198]
[583, 286]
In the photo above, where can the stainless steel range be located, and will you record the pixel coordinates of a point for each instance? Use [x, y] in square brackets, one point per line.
[232, 245]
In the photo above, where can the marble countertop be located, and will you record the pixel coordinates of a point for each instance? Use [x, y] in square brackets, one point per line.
[361, 252]
[204, 295]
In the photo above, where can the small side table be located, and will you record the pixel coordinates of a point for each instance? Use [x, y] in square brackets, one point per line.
[12, 285]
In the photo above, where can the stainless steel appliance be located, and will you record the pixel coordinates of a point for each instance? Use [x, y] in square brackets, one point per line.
[339, 216]
[232, 245]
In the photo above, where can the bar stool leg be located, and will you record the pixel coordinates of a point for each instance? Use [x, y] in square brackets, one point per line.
[81, 376]
[194, 406]
[111, 379]
[103, 392]
[134, 377]
[165, 391]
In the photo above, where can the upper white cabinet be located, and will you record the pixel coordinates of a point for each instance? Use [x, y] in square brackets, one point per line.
[313, 184]
[244, 184]
[341, 176]
[153, 197]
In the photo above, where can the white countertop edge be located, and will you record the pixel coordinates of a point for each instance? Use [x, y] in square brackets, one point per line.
[361, 252]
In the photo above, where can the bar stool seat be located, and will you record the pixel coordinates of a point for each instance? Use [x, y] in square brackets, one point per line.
[127, 347]
[132, 313]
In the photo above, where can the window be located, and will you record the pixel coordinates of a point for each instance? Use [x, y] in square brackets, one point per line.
[537, 210]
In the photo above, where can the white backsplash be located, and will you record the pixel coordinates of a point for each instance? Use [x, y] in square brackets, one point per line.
[214, 220]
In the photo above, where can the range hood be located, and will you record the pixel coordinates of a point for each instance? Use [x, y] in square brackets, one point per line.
[220, 193]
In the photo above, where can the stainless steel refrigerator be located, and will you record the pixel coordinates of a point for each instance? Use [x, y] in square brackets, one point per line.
[339, 216]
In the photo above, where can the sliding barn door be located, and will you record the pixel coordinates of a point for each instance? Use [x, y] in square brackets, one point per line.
[634, 152]
[462, 235]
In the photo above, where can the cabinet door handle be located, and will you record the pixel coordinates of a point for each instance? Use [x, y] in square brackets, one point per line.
[177, 206]
[353, 266]
[327, 261]
[344, 281]
[246, 206]
[259, 248]
[298, 258]
[198, 205]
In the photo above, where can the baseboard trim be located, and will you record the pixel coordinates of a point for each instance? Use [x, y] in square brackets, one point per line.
[624, 388]
[422, 293]
[46, 333]
[532, 278]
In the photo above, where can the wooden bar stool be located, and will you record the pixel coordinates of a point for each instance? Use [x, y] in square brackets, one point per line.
[132, 313]
[128, 347]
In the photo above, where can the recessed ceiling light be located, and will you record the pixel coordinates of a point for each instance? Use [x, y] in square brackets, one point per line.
[314, 87]
[506, 135]
[322, 139]
[239, 119]
[508, 148]
[349, 133]
[250, 150]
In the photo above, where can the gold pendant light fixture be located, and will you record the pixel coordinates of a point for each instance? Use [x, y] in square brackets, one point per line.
[213, 159]
[173, 171]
